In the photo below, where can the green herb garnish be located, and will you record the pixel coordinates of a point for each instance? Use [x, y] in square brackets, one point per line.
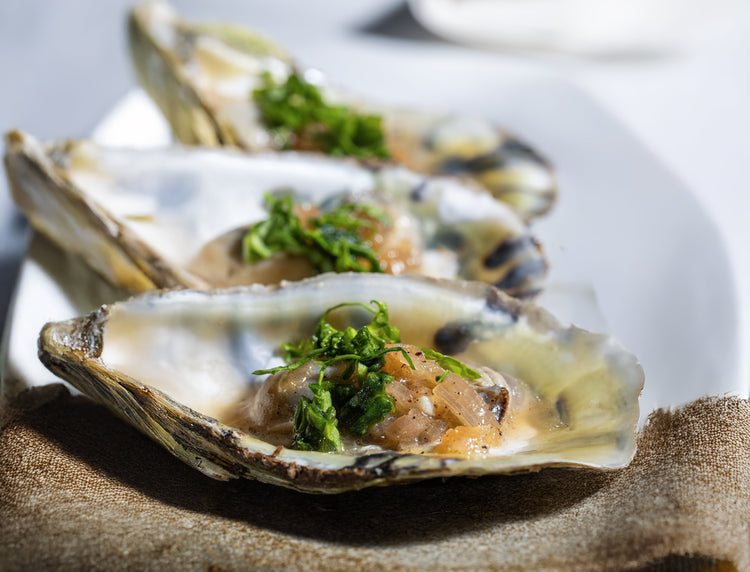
[315, 425]
[356, 406]
[332, 242]
[361, 401]
[298, 115]
[367, 406]
[450, 364]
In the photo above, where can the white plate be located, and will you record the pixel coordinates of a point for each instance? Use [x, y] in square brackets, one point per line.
[616, 27]
[630, 249]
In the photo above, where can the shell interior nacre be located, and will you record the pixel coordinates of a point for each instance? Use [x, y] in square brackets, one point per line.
[142, 218]
[196, 351]
[202, 77]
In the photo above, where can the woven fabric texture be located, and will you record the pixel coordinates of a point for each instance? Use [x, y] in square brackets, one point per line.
[79, 489]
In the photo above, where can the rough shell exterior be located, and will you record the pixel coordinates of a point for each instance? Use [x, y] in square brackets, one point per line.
[202, 77]
[591, 383]
[141, 217]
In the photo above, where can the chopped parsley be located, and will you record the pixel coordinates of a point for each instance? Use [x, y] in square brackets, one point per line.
[333, 242]
[315, 425]
[361, 401]
[450, 364]
[298, 115]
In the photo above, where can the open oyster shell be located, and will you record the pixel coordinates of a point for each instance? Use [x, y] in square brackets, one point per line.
[159, 218]
[175, 364]
[202, 77]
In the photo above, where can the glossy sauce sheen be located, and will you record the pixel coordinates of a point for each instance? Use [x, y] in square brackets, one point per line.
[424, 409]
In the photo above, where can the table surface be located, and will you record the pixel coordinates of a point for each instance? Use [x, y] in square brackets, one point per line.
[66, 65]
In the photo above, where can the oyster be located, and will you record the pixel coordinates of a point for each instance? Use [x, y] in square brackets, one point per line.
[175, 217]
[176, 364]
[203, 77]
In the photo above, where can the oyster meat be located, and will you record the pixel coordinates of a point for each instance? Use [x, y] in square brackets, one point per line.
[176, 217]
[203, 78]
[179, 364]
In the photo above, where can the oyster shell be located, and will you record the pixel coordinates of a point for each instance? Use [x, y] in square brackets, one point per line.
[163, 218]
[202, 78]
[196, 351]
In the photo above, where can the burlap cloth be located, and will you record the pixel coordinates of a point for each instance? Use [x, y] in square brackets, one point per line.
[81, 490]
